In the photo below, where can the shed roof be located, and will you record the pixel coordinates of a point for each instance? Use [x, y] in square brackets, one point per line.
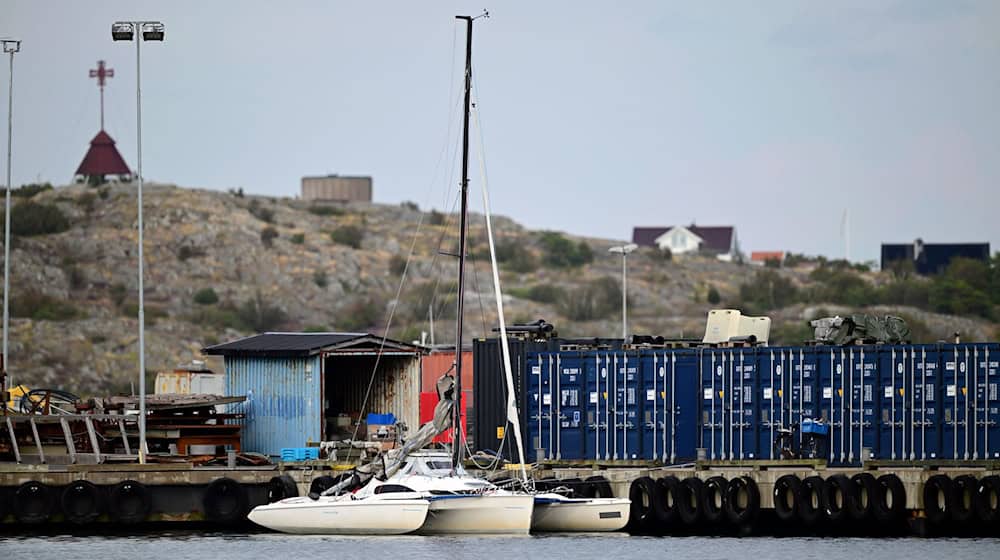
[299, 344]
[103, 158]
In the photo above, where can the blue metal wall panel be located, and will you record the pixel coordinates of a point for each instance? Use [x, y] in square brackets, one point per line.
[597, 366]
[571, 406]
[283, 401]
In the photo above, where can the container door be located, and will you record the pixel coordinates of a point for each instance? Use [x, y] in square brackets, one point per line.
[833, 365]
[744, 416]
[804, 378]
[867, 425]
[713, 412]
[625, 420]
[654, 374]
[597, 366]
[541, 421]
[891, 394]
[683, 397]
[925, 403]
[771, 373]
[988, 365]
[954, 403]
[571, 405]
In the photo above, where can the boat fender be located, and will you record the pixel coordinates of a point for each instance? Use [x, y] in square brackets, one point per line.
[32, 502]
[641, 493]
[689, 500]
[665, 504]
[786, 493]
[82, 502]
[810, 500]
[225, 501]
[598, 487]
[963, 498]
[321, 484]
[988, 499]
[713, 499]
[866, 490]
[838, 493]
[281, 487]
[129, 502]
[937, 498]
[890, 503]
[742, 501]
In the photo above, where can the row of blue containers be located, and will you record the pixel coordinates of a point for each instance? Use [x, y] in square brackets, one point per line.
[909, 402]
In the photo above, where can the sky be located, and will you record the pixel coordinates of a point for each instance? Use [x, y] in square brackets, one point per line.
[776, 117]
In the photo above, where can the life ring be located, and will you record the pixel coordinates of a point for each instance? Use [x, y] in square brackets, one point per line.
[225, 501]
[838, 493]
[281, 487]
[937, 498]
[32, 502]
[963, 498]
[129, 502]
[742, 501]
[598, 487]
[890, 503]
[689, 500]
[82, 502]
[810, 500]
[713, 499]
[641, 493]
[786, 497]
[988, 499]
[866, 491]
[665, 506]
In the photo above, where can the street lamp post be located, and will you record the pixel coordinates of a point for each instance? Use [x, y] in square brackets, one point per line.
[149, 31]
[10, 46]
[624, 250]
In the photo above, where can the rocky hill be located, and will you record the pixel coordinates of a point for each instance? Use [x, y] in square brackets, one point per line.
[223, 265]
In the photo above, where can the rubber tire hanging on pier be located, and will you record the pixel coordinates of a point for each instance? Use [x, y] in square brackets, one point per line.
[786, 497]
[936, 488]
[82, 502]
[866, 492]
[738, 511]
[810, 500]
[129, 502]
[642, 492]
[32, 502]
[836, 486]
[963, 498]
[988, 499]
[280, 488]
[597, 487]
[667, 497]
[890, 503]
[689, 500]
[713, 499]
[225, 501]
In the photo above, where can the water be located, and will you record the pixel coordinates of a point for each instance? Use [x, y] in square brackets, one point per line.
[208, 546]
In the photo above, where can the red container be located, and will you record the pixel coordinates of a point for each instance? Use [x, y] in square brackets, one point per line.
[436, 364]
[427, 403]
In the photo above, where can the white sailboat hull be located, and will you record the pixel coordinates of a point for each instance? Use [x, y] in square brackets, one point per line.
[491, 514]
[342, 517]
[580, 515]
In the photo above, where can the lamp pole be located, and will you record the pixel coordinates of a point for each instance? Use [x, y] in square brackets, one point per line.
[10, 46]
[139, 31]
[624, 250]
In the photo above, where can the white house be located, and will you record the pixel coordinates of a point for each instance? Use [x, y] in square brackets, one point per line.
[720, 241]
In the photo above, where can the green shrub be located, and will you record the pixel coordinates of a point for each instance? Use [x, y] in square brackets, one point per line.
[315, 328]
[206, 296]
[187, 252]
[409, 205]
[104, 193]
[319, 277]
[512, 255]
[32, 218]
[118, 293]
[542, 293]
[348, 235]
[267, 236]
[397, 265]
[666, 254]
[298, 238]
[767, 291]
[260, 212]
[36, 305]
[31, 189]
[597, 299]
[562, 253]
[359, 315]
[320, 210]
[86, 201]
[260, 316]
[436, 218]
[152, 312]
[713, 296]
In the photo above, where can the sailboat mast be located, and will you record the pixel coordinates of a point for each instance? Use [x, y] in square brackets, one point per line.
[457, 423]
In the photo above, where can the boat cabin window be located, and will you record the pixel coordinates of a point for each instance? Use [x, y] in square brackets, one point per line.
[390, 488]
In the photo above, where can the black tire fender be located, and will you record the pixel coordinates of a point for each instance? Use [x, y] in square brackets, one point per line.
[786, 497]
[280, 488]
[225, 501]
[713, 499]
[32, 502]
[866, 493]
[129, 501]
[838, 493]
[642, 492]
[599, 487]
[937, 498]
[890, 503]
[689, 500]
[742, 501]
[988, 499]
[963, 498]
[665, 506]
[82, 502]
[810, 500]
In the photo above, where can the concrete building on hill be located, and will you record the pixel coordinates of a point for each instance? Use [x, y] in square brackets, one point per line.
[335, 188]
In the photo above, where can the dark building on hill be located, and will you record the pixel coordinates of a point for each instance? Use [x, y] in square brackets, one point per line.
[932, 258]
[102, 161]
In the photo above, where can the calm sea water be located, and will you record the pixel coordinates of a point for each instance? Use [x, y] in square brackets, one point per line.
[206, 546]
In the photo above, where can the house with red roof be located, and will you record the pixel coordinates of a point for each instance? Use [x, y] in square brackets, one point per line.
[719, 241]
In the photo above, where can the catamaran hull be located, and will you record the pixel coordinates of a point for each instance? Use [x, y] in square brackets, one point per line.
[505, 514]
[362, 517]
[590, 515]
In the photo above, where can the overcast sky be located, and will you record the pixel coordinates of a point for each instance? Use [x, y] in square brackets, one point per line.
[772, 116]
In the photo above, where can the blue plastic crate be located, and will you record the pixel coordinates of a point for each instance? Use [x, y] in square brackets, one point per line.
[387, 419]
[289, 454]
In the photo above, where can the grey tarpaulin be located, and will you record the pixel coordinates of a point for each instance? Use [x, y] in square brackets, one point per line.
[867, 328]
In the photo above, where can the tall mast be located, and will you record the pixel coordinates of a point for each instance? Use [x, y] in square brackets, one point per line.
[457, 423]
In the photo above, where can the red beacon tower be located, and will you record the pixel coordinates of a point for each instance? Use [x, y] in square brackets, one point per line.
[102, 159]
